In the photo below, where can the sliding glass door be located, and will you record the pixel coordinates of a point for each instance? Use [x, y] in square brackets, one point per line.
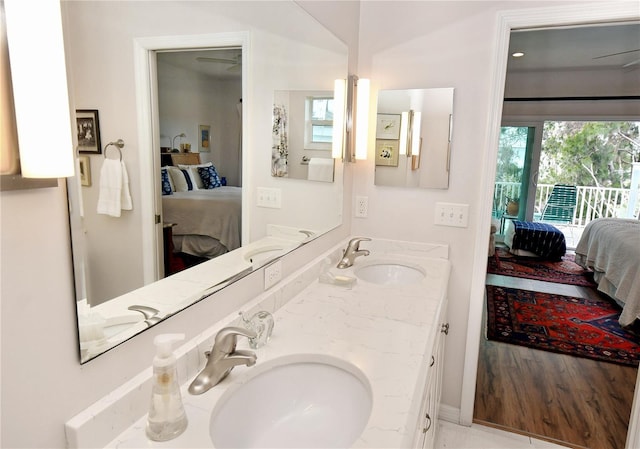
[514, 176]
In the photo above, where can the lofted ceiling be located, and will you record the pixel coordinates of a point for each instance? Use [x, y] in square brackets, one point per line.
[589, 47]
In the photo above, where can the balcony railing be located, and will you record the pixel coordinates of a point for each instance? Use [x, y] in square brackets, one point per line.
[592, 202]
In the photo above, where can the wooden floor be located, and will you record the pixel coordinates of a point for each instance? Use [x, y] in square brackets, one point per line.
[573, 401]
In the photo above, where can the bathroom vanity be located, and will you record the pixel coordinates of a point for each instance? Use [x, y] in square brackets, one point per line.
[385, 332]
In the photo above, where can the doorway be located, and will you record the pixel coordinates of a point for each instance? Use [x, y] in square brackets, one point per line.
[149, 135]
[508, 21]
[199, 124]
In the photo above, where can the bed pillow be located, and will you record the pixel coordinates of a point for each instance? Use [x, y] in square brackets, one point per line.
[210, 177]
[167, 188]
[195, 176]
[181, 182]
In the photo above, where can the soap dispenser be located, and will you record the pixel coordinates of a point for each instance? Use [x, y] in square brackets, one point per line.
[167, 418]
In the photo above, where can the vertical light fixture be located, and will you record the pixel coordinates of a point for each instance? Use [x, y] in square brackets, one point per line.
[339, 91]
[39, 76]
[362, 118]
[404, 130]
[416, 120]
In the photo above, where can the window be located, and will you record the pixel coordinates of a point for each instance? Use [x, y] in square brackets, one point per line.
[318, 133]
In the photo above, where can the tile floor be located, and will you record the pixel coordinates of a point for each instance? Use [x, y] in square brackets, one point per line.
[453, 436]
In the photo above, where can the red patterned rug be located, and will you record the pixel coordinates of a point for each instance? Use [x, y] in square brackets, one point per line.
[575, 326]
[564, 272]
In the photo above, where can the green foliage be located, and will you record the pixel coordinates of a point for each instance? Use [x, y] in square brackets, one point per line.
[513, 141]
[589, 153]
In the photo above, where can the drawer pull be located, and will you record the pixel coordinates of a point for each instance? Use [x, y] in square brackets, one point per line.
[428, 424]
[445, 328]
[433, 360]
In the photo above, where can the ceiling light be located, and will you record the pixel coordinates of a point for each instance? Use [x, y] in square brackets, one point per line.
[517, 54]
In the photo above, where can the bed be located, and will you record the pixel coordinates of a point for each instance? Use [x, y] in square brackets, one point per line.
[611, 248]
[205, 215]
[207, 222]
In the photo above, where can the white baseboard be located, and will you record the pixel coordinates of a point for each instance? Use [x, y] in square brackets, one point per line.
[448, 413]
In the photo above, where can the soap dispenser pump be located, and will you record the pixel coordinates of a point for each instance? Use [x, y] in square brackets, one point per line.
[167, 418]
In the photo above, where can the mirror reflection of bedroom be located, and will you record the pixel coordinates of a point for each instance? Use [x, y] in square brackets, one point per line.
[560, 353]
[200, 122]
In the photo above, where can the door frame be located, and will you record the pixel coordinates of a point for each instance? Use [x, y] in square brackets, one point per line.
[144, 53]
[506, 21]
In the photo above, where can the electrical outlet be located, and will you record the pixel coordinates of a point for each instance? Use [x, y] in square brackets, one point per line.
[362, 206]
[449, 214]
[272, 274]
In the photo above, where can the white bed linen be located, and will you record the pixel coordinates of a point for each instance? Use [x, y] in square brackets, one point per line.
[611, 248]
[215, 213]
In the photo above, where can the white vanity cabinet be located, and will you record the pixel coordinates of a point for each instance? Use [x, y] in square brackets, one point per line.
[428, 417]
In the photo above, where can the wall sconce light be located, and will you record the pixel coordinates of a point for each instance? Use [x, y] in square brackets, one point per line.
[362, 118]
[337, 143]
[414, 131]
[356, 119]
[404, 133]
[35, 41]
[173, 141]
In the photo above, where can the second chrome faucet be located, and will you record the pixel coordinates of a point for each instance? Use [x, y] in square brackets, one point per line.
[353, 250]
[222, 358]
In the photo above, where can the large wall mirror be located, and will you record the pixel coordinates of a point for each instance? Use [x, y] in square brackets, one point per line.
[187, 99]
[413, 138]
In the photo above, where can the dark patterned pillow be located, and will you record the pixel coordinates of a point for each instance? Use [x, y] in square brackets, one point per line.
[166, 183]
[210, 177]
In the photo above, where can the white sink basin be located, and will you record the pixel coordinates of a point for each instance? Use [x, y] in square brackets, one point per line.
[303, 404]
[263, 254]
[393, 273]
[115, 325]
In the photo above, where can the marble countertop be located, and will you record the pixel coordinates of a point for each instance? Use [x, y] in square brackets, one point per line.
[382, 330]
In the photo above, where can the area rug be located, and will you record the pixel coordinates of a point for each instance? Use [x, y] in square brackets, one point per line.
[568, 325]
[565, 271]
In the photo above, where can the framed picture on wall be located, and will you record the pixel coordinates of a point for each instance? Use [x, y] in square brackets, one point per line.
[387, 152]
[204, 138]
[388, 126]
[85, 171]
[88, 130]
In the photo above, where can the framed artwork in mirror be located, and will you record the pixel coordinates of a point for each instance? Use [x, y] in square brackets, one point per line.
[387, 152]
[388, 126]
[85, 171]
[204, 138]
[88, 129]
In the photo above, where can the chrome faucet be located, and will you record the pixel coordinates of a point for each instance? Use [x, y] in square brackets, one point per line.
[222, 358]
[150, 314]
[353, 250]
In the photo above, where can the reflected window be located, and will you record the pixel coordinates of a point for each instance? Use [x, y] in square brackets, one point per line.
[318, 123]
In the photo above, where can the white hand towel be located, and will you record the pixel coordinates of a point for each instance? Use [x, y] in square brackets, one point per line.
[125, 197]
[320, 169]
[114, 193]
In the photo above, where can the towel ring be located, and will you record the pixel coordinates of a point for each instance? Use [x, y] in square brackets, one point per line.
[119, 144]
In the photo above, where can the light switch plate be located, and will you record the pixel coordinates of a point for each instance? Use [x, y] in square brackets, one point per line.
[451, 214]
[269, 197]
